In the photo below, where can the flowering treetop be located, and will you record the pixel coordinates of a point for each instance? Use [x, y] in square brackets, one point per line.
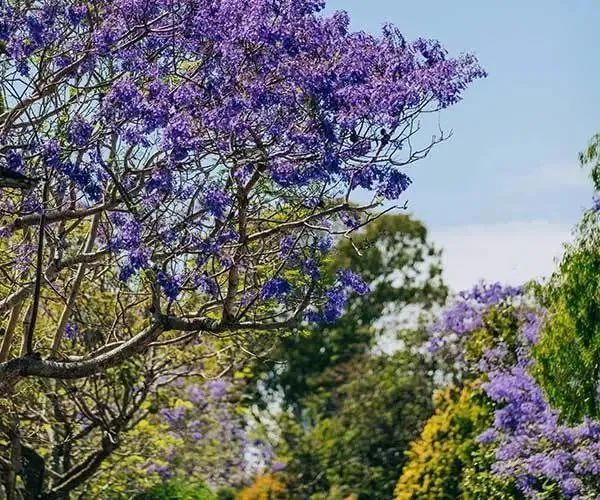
[195, 157]
[531, 442]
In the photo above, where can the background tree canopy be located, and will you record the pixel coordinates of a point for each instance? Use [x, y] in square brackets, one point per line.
[394, 255]
[352, 411]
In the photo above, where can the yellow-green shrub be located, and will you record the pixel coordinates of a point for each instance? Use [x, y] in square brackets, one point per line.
[447, 461]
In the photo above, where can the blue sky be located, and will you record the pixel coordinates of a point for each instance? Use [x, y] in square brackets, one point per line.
[503, 194]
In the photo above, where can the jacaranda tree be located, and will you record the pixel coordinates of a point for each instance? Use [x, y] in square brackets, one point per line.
[201, 152]
[188, 163]
[505, 440]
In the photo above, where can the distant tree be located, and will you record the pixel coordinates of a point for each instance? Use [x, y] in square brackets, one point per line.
[527, 449]
[352, 412]
[447, 461]
[360, 429]
[568, 354]
[394, 255]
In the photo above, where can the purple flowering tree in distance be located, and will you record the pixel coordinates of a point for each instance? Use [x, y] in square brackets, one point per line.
[532, 446]
[212, 439]
[199, 152]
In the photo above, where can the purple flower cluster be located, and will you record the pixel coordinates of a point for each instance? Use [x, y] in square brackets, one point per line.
[394, 185]
[201, 118]
[127, 235]
[169, 284]
[160, 183]
[79, 131]
[489, 294]
[386, 182]
[596, 203]
[370, 78]
[72, 331]
[209, 424]
[76, 13]
[351, 280]
[466, 315]
[218, 388]
[173, 416]
[85, 178]
[179, 138]
[207, 285]
[276, 288]
[337, 297]
[531, 445]
[124, 101]
[136, 259]
[287, 246]
[14, 161]
[162, 470]
[216, 201]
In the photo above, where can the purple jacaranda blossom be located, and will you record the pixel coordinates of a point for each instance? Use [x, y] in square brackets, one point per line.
[337, 296]
[136, 259]
[218, 388]
[287, 246]
[596, 203]
[276, 288]
[530, 440]
[207, 285]
[278, 466]
[71, 331]
[532, 445]
[162, 470]
[465, 315]
[350, 279]
[181, 130]
[127, 232]
[173, 416]
[14, 161]
[216, 200]
[334, 307]
[170, 285]
[532, 324]
[196, 394]
[79, 131]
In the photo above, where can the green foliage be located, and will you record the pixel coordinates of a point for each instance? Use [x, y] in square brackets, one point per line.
[478, 481]
[178, 490]
[590, 158]
[500, 324]
[357, 443]
[447, 461]
[226, 494]
[350, 414]
[568, 354]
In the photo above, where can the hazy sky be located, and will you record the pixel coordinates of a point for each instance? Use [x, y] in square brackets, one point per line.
[504, 193]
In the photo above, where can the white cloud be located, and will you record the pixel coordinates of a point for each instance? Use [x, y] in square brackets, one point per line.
[550, 178]
[511, 253]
